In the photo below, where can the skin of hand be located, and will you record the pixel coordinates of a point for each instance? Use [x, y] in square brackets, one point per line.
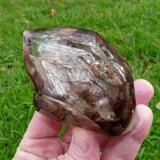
[40, 141]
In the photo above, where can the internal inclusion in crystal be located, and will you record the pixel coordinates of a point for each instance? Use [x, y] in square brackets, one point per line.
[81, 70]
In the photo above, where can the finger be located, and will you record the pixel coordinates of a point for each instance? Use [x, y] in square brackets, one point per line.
[84, 145]
[67, 137]
[41, 126]
[40, 138]
[21, 155]
[46, 148]
[101, 137]
[126, 146]
[144, 91]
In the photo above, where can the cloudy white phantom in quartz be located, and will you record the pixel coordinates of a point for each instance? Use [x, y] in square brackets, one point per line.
[63, 63]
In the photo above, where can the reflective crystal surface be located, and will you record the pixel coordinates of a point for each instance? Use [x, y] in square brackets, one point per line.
[80, 79]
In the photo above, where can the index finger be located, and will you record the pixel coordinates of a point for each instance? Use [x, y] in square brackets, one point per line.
[42, 126]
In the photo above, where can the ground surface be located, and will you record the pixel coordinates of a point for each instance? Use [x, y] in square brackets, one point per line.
[131, 26]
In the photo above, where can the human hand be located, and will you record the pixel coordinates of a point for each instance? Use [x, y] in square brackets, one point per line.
[40, 141]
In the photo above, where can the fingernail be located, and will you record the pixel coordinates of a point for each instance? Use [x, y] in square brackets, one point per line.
[80, 141]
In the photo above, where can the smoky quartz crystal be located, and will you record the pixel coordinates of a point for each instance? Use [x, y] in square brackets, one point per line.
[80, 79]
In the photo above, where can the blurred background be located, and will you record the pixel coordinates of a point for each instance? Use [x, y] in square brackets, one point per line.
[131, 26]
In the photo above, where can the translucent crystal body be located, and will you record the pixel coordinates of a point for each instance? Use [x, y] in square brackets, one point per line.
[80, 79]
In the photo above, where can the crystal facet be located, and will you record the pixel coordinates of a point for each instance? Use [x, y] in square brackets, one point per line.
[80, 79]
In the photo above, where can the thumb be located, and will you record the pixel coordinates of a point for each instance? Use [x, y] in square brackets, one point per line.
[84, 145]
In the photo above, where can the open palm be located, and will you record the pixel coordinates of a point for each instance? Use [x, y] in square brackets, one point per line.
[40, 141]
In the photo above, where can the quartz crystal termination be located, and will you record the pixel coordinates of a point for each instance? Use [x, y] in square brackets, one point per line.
[80, 79]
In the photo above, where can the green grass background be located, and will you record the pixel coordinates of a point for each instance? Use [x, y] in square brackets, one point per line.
[131, 26]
